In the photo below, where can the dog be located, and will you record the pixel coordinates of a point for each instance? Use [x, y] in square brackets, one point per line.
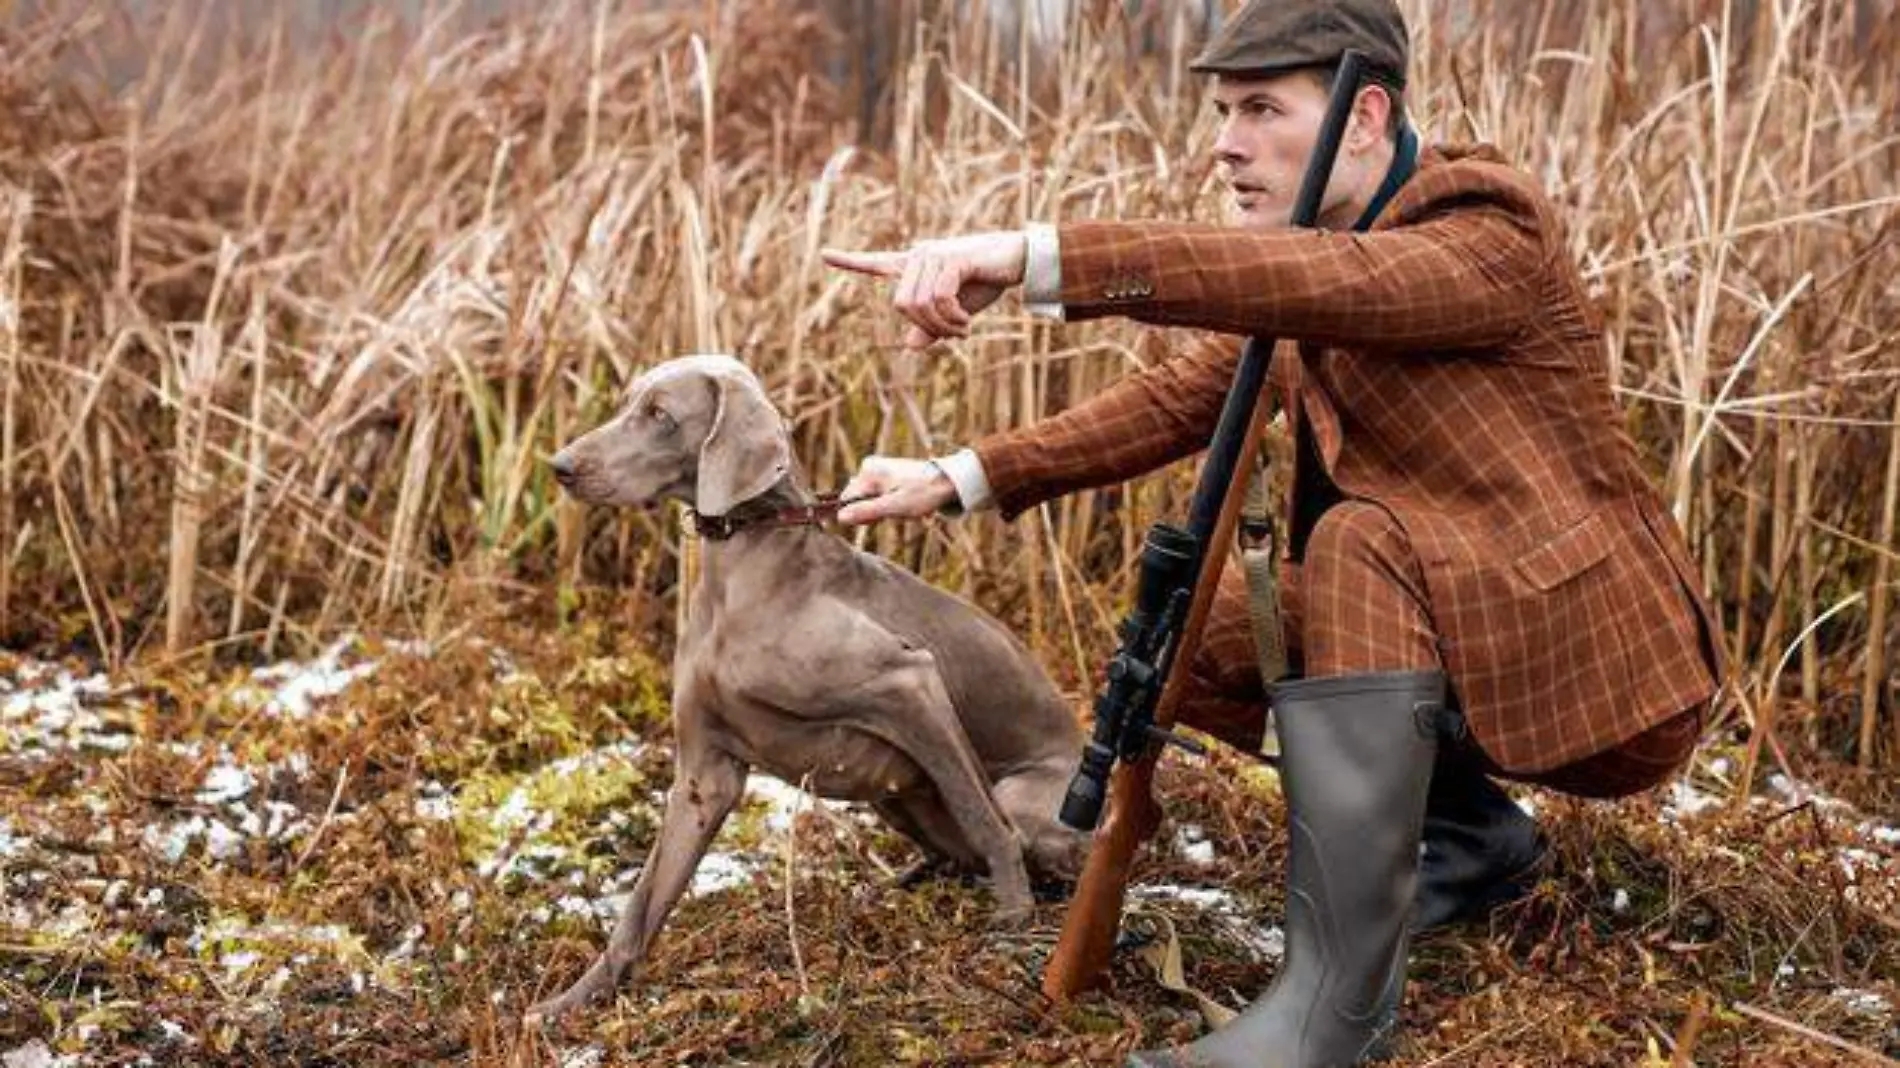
[819, 664]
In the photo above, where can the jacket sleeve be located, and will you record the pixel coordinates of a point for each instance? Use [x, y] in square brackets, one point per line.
[1144, 421]
[1463, 272]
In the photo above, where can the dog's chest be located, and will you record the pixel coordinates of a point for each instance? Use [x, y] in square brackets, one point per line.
[833, 761]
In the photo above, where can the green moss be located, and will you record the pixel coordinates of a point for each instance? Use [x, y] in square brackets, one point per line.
[575, 794]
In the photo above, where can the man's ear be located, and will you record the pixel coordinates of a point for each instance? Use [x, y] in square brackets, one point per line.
[1371, 115]
[746, 452]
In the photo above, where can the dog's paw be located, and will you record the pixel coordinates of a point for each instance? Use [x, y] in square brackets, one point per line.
[931, 870]
[1050, 889]
[546, 1012]
[596, 984]
[1013, 913]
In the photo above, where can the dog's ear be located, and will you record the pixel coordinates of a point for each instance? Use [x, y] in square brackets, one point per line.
[746, 452]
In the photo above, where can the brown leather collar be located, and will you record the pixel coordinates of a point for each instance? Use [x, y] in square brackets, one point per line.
[721, 527]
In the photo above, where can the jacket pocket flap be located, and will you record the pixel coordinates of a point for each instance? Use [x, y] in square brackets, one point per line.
[1569, 554]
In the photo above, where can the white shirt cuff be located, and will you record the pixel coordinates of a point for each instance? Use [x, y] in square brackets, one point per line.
[965, 472]
[1042, 271]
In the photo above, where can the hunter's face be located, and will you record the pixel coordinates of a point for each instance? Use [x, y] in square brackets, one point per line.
[1268, 127]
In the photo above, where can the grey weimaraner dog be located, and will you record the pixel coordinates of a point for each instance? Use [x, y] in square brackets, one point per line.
[819, 664]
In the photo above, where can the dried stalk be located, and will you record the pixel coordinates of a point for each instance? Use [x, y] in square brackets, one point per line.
[1874, 678]
[11, 310]
[191, 481]
[256, 462]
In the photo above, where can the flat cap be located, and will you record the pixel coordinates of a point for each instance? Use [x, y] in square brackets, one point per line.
[1272, 36]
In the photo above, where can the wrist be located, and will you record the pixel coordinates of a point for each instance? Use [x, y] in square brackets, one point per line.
[1042, 271]
[970, 486]
[941, 491]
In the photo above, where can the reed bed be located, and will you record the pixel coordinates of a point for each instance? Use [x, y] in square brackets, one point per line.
[291, 329]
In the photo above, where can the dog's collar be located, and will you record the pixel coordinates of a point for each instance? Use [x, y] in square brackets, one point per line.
[721, 527]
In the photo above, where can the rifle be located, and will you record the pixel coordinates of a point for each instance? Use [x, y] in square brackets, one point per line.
[1180, 570]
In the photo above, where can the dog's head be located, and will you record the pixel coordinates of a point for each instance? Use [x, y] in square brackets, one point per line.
[697, 429]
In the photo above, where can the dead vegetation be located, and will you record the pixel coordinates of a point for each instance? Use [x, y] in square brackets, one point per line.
[289, 329]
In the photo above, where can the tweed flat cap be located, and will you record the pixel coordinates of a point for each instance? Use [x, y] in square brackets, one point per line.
[1271, 36]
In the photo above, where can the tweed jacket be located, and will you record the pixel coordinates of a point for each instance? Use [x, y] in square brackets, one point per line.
[1450, 369]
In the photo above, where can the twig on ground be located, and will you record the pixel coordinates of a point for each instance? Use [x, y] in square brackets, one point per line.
[791, 880]
[1456, 1056]
[1763, 1015]
[1691, 1033]
[336, 795]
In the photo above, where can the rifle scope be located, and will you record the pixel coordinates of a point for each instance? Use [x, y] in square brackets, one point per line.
[1170, 560]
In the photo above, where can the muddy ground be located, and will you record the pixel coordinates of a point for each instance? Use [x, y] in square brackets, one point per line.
[383, 853]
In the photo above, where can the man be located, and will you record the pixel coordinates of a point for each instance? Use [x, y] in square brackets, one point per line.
[1479, 578]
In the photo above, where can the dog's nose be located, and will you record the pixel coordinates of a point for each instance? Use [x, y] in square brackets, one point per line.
[563, 467]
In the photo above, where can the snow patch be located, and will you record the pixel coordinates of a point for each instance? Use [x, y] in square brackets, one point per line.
[1864, 1003]
[782, 800]
[1685, 802]
[48, 709]
[12, 845]
[293, 689]
[722, 871]
[1206, 899]
[1267, 944]
[1192, 843]
[226, 782]
[1886, 836]
[35, 1055]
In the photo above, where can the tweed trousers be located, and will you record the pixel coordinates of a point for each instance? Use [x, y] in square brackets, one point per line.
[1357, 604]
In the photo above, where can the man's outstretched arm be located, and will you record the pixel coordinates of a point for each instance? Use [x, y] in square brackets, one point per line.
[1462, 271]
[1140, 423]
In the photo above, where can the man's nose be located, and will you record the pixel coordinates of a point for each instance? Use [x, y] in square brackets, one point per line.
[1227, 148]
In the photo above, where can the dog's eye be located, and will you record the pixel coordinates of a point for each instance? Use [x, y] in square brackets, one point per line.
[661, 418]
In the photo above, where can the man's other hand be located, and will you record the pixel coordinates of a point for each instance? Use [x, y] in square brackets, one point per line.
[941, 284]
[887, 487]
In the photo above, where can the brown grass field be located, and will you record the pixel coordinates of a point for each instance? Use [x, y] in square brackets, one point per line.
[328, 731]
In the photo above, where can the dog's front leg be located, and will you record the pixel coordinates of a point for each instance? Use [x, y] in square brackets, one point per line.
[904, 703]
[707, 786]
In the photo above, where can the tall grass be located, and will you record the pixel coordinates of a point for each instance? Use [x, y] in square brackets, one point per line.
[290, 330]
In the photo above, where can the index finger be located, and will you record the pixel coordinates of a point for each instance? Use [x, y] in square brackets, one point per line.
[861, 511]
[878, 264]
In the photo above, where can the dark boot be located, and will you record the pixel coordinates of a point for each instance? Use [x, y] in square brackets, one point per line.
[1481, 850]
[1356, 762]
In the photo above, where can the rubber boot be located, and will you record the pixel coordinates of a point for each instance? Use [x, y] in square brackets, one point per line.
[1356, 763]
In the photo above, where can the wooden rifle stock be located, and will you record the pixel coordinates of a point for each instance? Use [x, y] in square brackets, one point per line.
[1095, 912]
[1088, 930]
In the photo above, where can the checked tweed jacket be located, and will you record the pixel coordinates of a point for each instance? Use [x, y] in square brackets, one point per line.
[1450, 370]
